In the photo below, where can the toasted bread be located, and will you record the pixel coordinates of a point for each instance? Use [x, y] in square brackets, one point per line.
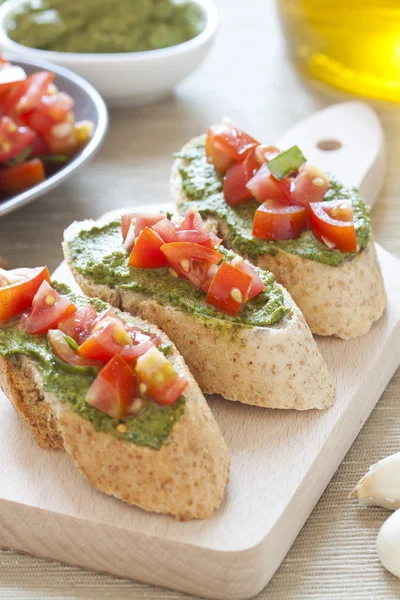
[277, 366]
[186, 477]
[342, 301]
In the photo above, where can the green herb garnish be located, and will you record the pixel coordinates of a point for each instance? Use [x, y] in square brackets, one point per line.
[286, 162]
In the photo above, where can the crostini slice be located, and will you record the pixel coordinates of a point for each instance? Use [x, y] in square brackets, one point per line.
[339, 293]
[168, 459]
[265, 356]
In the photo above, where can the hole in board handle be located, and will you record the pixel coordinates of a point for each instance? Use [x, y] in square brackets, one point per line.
[329, 145]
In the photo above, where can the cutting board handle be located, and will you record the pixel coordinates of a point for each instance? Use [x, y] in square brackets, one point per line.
[346, 140]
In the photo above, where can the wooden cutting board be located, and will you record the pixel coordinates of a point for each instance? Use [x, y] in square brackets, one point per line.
[281, 464]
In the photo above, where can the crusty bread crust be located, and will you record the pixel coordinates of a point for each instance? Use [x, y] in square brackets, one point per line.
[28, 400]
[275, 367]
[343, 301]
[185, 478]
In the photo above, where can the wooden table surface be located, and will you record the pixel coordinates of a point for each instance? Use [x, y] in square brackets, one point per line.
[247, 77]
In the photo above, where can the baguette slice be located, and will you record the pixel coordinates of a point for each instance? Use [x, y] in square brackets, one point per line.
[277, 367]
[185, 478]
[343, 301]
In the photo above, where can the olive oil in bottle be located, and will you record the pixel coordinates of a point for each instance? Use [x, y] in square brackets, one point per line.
[353, 45]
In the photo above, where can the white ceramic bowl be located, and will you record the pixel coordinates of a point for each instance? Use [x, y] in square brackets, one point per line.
[129, 78]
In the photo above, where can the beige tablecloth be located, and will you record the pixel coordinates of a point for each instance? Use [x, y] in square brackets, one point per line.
[247, 76]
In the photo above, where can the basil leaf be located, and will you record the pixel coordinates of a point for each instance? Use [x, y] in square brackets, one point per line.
[286, 162]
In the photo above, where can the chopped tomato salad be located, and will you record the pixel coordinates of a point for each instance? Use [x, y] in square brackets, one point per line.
[189, 251]
[38, 131]
[291, 191]
[128, 368]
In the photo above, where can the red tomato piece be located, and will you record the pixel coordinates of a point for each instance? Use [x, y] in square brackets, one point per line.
[56, 106]
[144, 220]
[229, 289]
[9, 76]
[13, 139]
[193, 221]
[111, 337]
[265, 153]
[62, 347]
[62, 137]
[78, 325]
[274, 220]
[19, 178]
[166, 230]
[126, 221]
[48, 309]
[146, 253]
[237, 178]
[38, 121]
[257, 284]
[36, 88]
[39, 146]
[192, 261]
[332, 223]
[10, 100]
[263, 186]
[163, 384]
[215, 155]
[18, 288]
[310, 185]
[229, 141]
[113, 389]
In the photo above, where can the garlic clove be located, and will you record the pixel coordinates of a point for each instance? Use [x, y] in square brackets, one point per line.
[388, 544]
[381, 485]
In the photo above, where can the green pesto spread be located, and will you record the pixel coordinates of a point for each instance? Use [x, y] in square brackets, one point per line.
[101, 26]
[153, 424]
[204, 188]
[100, 255]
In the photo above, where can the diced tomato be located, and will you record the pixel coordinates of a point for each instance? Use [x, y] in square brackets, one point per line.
[56, 106]
[111, 337]
[19, 178]
[215, 156]
[229, 289]
[265, 153]
[13, 139]
[237, 177]
[226, 142]
[37, 85]
[263, 186]
[192, 261]
[332, 223]
[163, 384]
[62, 137]
[18, 288]
[310, 185]
[10, 100]
[62, 346]
[9, 76]
[257, 284]
[146, 253]
[39, 146]
[38, 121]
[113, 389]
[274, 220]
[78, 325]
[126, 221]
[48, 309]
[166, 230]
[144, 220]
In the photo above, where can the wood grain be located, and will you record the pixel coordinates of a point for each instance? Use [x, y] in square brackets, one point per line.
[281, 463]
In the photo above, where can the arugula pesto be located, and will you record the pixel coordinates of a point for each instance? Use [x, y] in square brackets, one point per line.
[153, 424]
[203, 186]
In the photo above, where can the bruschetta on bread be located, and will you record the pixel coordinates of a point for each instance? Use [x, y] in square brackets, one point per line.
[240, 332]
[113, 391]
[284, 215]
